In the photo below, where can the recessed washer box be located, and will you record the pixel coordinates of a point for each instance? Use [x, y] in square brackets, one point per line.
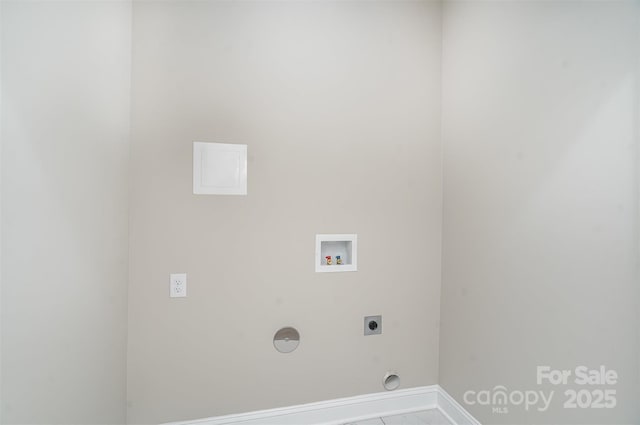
[343, 245]
[219, 169]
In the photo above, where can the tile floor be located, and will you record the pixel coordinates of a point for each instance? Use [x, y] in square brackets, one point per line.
[427, 417]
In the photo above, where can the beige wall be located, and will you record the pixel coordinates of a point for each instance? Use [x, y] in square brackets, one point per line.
[541, 200]
[339, 104]
[65, 124]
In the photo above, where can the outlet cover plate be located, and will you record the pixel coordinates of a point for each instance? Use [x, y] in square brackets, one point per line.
[178, 285]
[373, 325]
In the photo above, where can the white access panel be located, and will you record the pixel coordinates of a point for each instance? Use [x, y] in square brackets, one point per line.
[219, 169]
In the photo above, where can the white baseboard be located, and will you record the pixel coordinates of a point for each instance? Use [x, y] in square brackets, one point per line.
[351, 409]
[454, 410]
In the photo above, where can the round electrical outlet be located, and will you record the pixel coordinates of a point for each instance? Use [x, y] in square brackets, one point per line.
[373, 325]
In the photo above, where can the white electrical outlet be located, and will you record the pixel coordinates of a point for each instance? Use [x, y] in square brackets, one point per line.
[178, 285]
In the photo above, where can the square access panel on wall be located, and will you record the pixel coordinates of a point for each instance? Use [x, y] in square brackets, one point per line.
[219, 169]
[337, 253]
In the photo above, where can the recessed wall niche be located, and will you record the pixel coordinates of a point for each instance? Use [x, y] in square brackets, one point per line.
[336, 253]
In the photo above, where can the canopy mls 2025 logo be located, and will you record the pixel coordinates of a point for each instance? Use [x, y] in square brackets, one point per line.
[593, 391]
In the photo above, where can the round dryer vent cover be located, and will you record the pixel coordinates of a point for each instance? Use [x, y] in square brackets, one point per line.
[286, 340]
